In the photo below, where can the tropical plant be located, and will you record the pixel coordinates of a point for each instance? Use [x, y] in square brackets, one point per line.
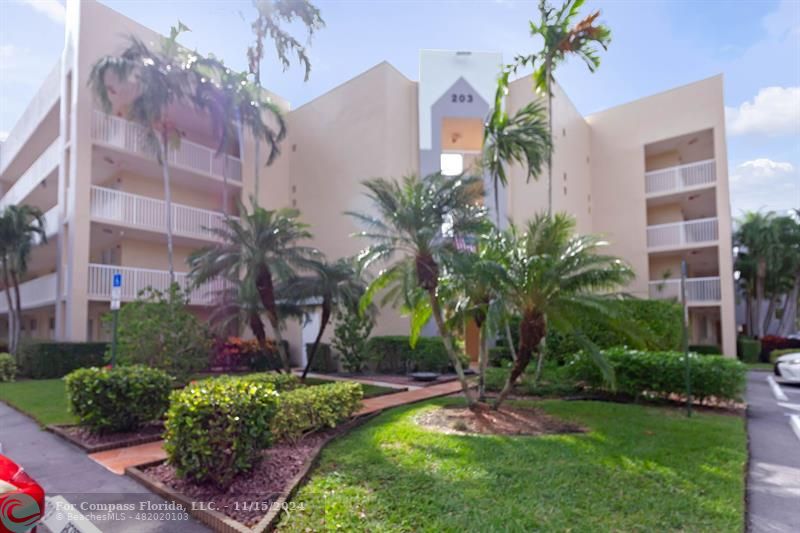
[329, 286]
[261, 248]
[161, 78]
[20, 225]
[271, 16]
[418, 224]
[350, 336]
[551, 276]
[563, 37]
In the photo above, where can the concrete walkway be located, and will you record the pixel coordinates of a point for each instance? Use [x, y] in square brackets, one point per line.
[63, 469]
[118, 460]
[773, 479]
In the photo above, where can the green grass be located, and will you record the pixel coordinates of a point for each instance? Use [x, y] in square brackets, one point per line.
[638, 469]
[43, 399]
[763, 367]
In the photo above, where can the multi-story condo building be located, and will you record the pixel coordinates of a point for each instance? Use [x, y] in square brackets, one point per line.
[650, 175]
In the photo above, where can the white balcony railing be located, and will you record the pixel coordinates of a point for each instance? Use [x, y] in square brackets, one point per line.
[679, 234]
[34, 293]
[128, 136]
[135, 280]
[681, 177]
[151, 214]
[698, 290]
[46, 163]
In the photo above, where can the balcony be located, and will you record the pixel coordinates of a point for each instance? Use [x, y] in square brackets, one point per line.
[130, 137]
[44, 165]
[690, 233]
[135, 280]
[680, 178]
[118, 207]
[698, 290]
[37, 292]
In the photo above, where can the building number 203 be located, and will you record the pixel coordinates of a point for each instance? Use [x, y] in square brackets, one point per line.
[461, 98]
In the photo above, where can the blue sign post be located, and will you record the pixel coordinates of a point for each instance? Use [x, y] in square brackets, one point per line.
[116, 295]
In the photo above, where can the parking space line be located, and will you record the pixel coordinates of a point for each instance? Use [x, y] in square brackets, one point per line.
[776, 390]
[794, 421]
[794, 406]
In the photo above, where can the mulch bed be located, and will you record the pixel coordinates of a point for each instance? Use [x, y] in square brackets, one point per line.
[93, 442]
[482, 420]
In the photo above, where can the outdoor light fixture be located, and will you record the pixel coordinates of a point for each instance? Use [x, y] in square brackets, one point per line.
[452, 164]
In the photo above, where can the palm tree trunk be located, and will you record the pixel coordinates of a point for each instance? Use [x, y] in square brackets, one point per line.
[167, 203]
[532, 329]
[760, 275]
[790, 309]
[497, 202]
[18, 306]
[257, 327]
[773, 301]
[323, 323]
[12, 345]
[550, 127]
[448, 344]
[748, 319]
[266, 291]
[482, 363]
[539, 362]
[510, 341]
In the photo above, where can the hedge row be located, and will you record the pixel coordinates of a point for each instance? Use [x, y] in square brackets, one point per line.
[773, 356]
[8, 368]
[770, 343]
[661, 374]
[748, 349]
[119, 399]
[312, 408]
[393, 354]
[45, 360]
[281, 382]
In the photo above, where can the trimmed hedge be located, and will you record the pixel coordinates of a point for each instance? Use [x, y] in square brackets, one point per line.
[311, 408]
[8, 368]
[325, 361]
[499, 356]
[748, 349]
[121, 399]
[392, 354]
[705, 349]
[281, 382]
[216, 428]
[774, 354]
[661, 374]
[46, 360]
[769, 343]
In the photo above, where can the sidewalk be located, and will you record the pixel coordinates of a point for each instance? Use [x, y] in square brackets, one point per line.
[118, 460]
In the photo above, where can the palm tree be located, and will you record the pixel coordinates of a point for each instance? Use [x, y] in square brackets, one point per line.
[272, 14]
[523, 138]
[19, 226]
[261, 247]
[330, 286]
[551, 276]
[162, 78]
[758, 242]
[415, 230]
[563, 38]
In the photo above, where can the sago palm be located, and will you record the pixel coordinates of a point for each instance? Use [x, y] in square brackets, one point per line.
[552, 277]
[414, 231]
[161, 78]
[262, 247]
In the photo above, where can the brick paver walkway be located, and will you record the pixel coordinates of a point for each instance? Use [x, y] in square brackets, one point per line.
[121, 458]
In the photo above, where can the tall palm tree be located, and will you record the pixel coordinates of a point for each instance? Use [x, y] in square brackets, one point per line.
[758, 241]
[415, 228]
[161, 78]
[563, 37]
[272, 15]
[19, 226]
[551, 276]
[329, 286]
[523, 138]
[261, 247]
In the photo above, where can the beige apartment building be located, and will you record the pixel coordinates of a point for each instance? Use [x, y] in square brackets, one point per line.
[650, 175]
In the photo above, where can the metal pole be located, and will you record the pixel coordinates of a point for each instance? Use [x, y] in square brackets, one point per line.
[686, 341]
[114, 339]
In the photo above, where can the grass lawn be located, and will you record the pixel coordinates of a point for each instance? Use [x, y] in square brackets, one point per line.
[762, 367]
[638, 469]
[43, 399]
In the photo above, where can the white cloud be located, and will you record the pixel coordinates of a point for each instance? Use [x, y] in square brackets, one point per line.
[52, 9]
[764, 184]
[773, 111]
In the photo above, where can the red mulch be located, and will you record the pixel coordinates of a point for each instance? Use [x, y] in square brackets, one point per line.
[248, 498]
[82, 435]
[483, 420]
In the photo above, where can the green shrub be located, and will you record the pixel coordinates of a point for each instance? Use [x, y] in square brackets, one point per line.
[119, 399]
[748, 349]
[158, 330]
[281, 382]
[660, 374]
[8, 368]
[312, 408]
[216, 428]
[705, 349]
[350, 337]
[499, 356]
[555, 380]
[324, 361]
[46, 360]
[393, 354]
[773, 355]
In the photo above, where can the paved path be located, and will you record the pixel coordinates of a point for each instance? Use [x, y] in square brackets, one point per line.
[773, 480]
[118, 460]
[63, 469]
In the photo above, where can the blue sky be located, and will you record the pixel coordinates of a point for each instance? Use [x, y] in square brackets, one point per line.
[656, 45]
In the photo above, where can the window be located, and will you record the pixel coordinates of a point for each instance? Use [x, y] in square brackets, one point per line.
[452, 164]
